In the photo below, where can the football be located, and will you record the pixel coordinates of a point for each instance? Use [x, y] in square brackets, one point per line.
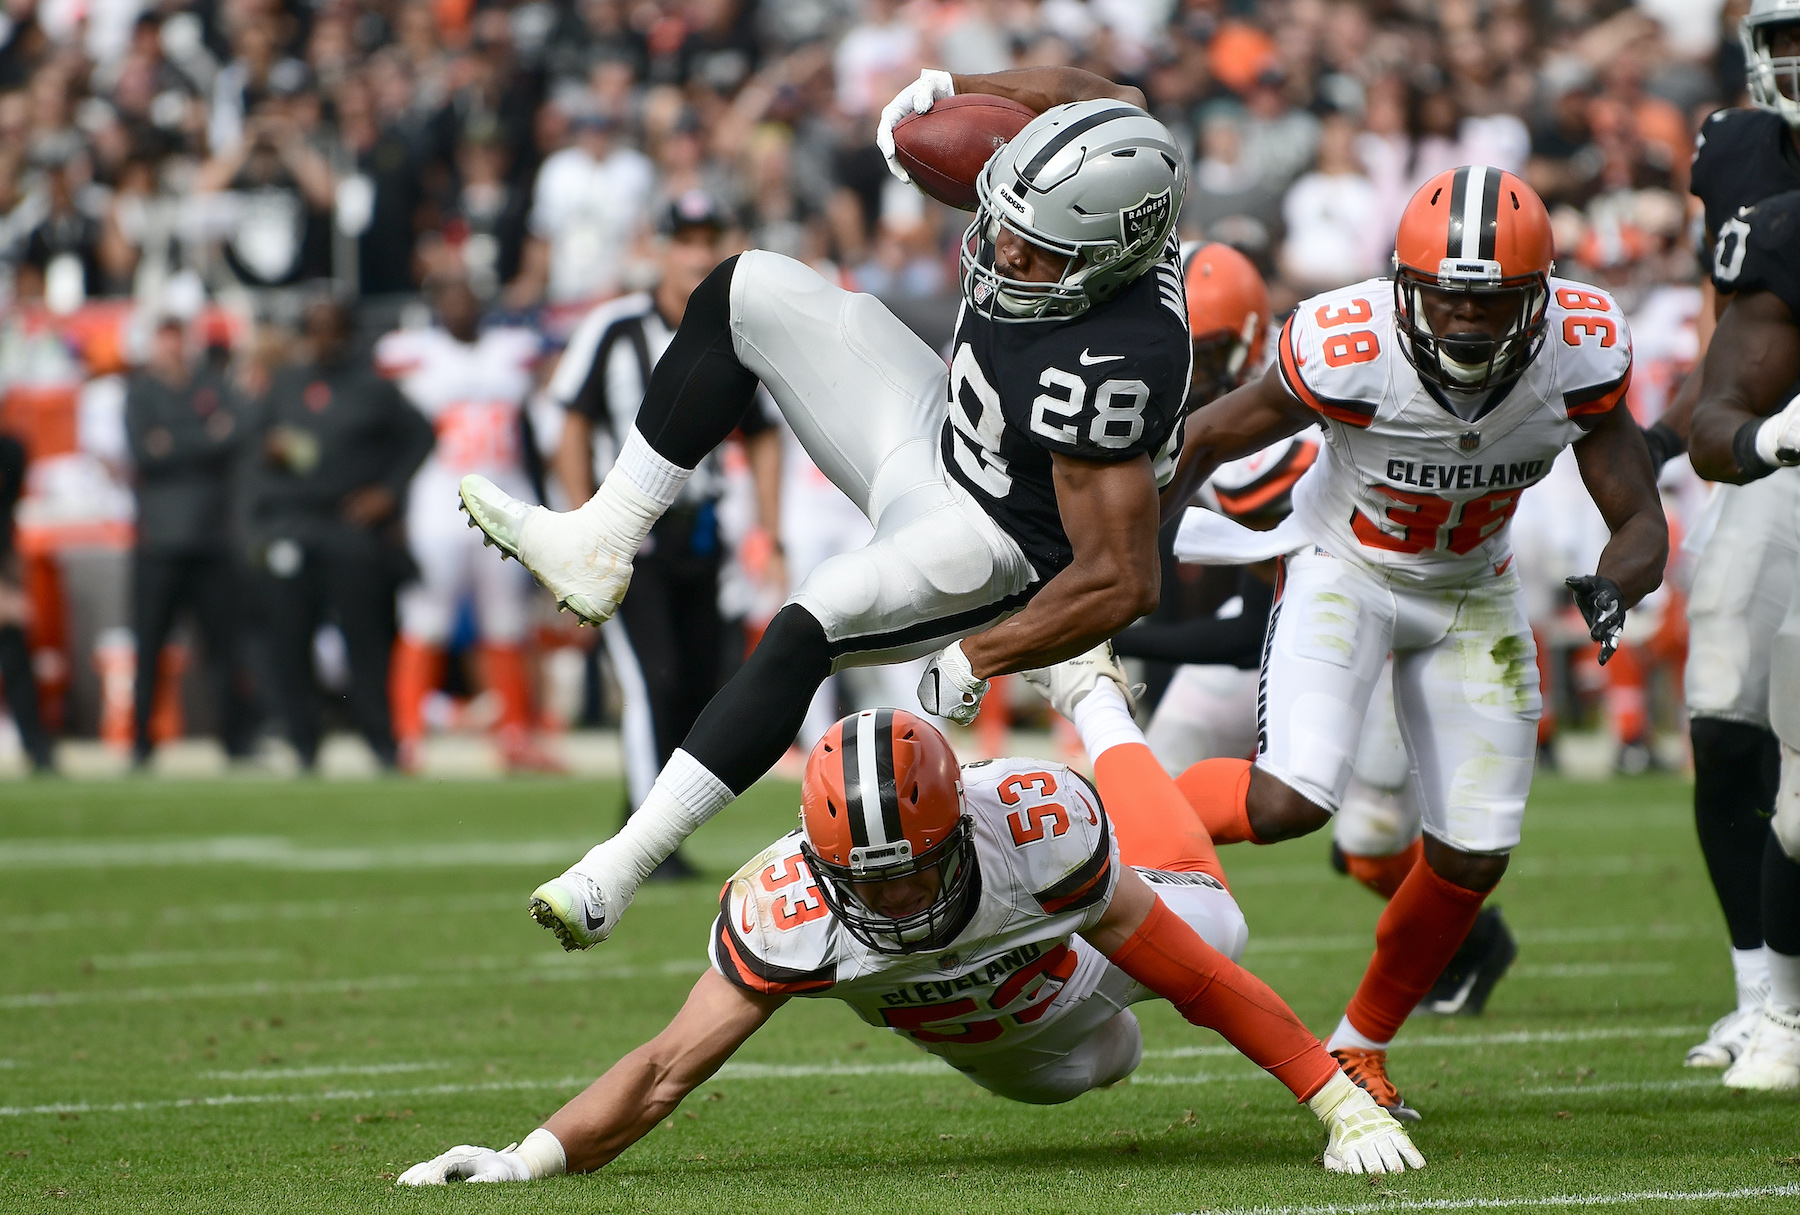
[944, 148]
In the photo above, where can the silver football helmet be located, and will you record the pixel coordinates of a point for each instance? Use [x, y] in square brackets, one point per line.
[1774, 81]
[1098, 181]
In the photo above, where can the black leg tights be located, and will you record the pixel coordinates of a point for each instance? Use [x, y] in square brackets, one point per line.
[752, 721]
[1736, 769]
[699, 391]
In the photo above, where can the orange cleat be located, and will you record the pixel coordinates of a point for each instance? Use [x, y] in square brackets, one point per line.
[1368, 1069]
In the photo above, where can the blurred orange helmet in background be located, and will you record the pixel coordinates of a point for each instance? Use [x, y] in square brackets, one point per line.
[1228, 318]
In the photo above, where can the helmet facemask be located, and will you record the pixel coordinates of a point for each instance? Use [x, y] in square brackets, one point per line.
[1773, 80]
[1470, 360]
[1001, 297]
[931, 927]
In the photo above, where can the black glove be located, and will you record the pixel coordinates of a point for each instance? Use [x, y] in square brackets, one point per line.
[1603, 607]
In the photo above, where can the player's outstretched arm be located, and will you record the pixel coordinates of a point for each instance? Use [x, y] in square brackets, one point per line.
[1163, 952]
[1744, 416]
[1109, 513]
[1615, 466]
[1244, 420]
[627, 1102]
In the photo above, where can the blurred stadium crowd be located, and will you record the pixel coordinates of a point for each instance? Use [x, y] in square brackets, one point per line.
[182, 183]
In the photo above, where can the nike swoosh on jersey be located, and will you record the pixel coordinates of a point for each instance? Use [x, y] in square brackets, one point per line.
[1087, 361]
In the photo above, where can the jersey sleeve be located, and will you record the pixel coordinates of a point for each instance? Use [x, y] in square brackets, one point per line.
[1771, 259]
[400, 353]
[773, 934]
[1062, 847]
[1109, 394]
[1333, 351]
[1711, 147]
[1593, 341]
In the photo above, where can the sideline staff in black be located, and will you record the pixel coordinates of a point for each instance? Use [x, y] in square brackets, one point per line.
[338, 445]
[185, 427]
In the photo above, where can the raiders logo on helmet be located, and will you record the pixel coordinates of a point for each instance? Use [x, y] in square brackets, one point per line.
[1148, 220]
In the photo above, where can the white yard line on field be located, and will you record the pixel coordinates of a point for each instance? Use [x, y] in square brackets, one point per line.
[190, 957]
[365, 983]
[340, 1069]
[1500, 1204]
[1524, 1037]
[1591, 970]
[275, 852]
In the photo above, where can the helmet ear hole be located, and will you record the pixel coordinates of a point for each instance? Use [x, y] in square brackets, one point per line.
[831, 806]
[912, 794]
[1515, 197]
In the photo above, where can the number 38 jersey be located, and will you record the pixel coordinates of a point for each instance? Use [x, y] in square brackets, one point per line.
[1047, 868]
[1108, 385]
[1404, 484]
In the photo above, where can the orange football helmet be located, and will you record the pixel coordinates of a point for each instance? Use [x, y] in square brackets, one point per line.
[883, 799]
[1228, 317]
[1475, 248]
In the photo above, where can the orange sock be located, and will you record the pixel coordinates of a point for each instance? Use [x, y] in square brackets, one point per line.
[503, 673]
[1219, 792]
[414, 670]
[1383, 874]
[1166, 955]
[1628, 695]
[1424, 924]
[1155, 826]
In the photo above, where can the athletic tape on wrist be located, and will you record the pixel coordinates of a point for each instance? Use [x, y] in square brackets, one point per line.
[543, 1154]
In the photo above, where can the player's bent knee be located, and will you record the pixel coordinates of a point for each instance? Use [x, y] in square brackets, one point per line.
[1278, 811]
[710, 304]
[1478, 871]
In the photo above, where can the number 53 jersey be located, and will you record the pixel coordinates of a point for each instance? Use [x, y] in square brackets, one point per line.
[1404, 484]
[1047, 867]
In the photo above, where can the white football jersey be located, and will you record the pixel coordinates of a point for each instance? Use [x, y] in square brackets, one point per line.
[1048, 867]
[1405, 485]
[472, 392]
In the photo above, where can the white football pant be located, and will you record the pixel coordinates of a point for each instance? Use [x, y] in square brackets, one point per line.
[452, 563]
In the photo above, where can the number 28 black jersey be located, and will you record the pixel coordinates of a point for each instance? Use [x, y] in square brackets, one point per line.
[1108, 385]
[1741, 157]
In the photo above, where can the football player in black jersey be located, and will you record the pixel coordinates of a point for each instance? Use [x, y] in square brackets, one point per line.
[1742, 580]
[1747, 427]
[1020, 487]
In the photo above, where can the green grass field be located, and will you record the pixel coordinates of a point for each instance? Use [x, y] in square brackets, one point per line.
[248, 996]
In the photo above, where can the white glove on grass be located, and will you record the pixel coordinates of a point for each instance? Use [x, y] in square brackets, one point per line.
[1364, 1137]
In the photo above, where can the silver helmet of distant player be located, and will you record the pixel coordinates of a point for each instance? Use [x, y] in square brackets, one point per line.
[1098, 182]
[1774, 79]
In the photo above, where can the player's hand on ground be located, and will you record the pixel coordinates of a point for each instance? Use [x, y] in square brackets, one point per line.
[468, 1163]
[1777, 438]
[1603, 607]
[949, 687]
[1364, 1138]
[915, 98]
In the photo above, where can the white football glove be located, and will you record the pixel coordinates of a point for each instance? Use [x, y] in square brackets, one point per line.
[468, 1163]
[1364, 1137]
[915, 98]
[1777, 439]
[949, 687]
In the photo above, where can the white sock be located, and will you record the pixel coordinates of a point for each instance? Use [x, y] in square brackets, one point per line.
[640, 487]
[1104, 720]
[1345, 1035]
[1784, 980]
[1751, 968]
[684, 796]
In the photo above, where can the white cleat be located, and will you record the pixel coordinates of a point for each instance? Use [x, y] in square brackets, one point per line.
[567, 552]
[1771, 1061]
[574, 908]
[1066, 683]
[1364, 1138]
[1726, 1040]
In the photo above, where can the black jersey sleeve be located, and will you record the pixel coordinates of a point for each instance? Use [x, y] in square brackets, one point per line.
[1771, 257]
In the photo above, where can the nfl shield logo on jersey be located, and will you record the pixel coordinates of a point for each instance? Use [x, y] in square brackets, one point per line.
[1145, 219]
[1469, 441]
